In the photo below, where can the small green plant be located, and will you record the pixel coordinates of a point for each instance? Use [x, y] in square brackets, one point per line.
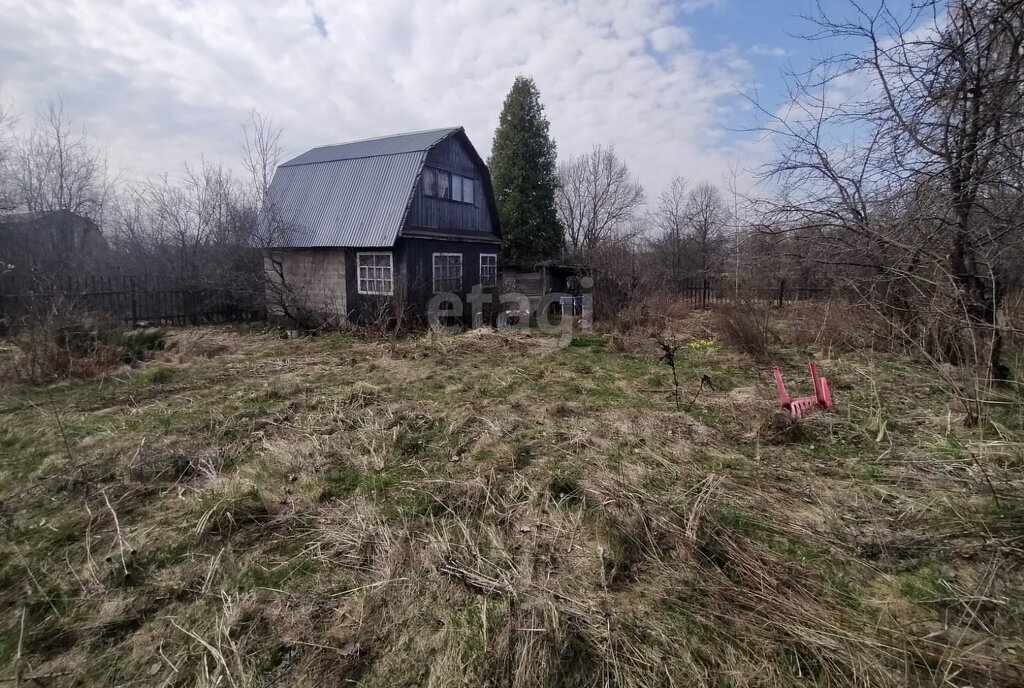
[340, 482]
[701, 346]
[522, 454]
[588, 343]
[161, 375]
[138, 345]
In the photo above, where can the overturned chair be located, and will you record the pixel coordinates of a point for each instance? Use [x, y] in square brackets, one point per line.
[801, 405]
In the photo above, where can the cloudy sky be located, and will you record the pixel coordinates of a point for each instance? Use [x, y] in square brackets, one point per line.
[164, 81]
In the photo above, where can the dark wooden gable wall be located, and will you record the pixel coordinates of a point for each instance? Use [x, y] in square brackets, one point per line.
[428, 214]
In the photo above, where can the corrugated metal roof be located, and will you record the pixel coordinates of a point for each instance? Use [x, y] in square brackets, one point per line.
[384, 145]
[360, 202]
[351, 194]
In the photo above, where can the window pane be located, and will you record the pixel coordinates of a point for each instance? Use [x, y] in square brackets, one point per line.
[467, 190]
[456, 187]
[374, 274]
[447, 272]
[429, 182]
[443, 185]
[488, 269]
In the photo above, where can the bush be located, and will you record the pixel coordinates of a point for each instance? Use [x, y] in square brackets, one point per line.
[61, 346]
[744, 325]
[138, 345]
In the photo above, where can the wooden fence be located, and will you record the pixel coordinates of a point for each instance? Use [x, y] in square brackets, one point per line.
[131, 300]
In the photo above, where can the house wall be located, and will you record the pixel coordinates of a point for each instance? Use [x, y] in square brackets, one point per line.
[367, 308]
[429, 213]
[419, 265]
[309, 283]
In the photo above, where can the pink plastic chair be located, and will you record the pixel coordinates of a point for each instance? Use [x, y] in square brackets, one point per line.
[801, 405]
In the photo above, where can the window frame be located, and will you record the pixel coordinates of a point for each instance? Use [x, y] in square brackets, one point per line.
[494, 276]
[430, 183]
[360, 278]
[433, 273]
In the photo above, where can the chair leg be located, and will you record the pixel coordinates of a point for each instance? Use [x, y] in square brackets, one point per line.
[780, 388]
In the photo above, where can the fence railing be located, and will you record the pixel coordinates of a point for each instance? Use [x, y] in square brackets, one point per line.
[131, 300]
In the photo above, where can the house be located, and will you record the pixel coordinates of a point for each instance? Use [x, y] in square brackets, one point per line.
[374, 228]
[52, 241]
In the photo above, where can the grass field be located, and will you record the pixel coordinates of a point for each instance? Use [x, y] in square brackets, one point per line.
[492, 509]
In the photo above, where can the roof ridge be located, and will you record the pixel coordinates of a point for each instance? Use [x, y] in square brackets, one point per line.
[409, 142]
[385, 136]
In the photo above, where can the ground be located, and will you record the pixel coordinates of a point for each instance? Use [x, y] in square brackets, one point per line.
[495, 509]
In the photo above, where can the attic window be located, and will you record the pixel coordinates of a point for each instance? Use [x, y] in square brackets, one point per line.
[447, 272]
[444, 189]
[462, 189]
[442, 184]
[376, 273]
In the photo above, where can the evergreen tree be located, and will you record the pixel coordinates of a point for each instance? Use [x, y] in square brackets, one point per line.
[523, 168]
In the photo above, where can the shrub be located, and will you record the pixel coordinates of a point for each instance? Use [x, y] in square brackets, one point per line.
[138, 345]
[744, 325]
[66, 345]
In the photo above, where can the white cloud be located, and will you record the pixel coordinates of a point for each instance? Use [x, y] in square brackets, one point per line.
[697, 5]
[762, 50]
[161, 82]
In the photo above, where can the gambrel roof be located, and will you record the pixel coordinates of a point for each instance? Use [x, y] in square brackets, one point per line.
[351, 194]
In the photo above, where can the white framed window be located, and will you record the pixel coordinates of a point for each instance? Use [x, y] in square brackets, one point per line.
[488, 269]
[447, 272]
[375, 273]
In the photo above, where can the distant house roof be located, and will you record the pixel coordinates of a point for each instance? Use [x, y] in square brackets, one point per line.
[351, 194]
[46, 216]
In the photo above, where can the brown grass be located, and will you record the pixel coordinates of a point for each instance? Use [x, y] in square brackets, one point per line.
[494, 510]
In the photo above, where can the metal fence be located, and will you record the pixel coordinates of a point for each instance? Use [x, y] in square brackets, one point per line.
[131, 300]
[706, 293]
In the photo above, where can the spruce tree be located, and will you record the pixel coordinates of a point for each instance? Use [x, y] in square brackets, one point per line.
[523, 168]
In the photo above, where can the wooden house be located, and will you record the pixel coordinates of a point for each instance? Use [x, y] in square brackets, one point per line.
[369, 229]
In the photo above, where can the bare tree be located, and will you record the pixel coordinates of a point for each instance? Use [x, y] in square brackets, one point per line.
[670, 217]
[261, 153]
[57, 168]
[193, 230]
[597, 198]
[7, 195]
[901, 163]
[706, 216]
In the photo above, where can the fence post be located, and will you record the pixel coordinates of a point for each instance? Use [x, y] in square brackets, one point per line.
[782, 291]
[131, 288]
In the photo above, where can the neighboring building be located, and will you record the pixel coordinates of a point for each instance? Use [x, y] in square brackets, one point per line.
[547, 285]
[50, 240]
[361, 230]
